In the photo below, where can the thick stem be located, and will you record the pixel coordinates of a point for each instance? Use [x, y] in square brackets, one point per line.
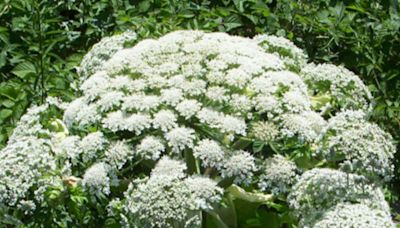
[190, 161]
[208, 171]
[217, 219]
[130, 167]
[231, 205]
[239, 193]
[242, 143]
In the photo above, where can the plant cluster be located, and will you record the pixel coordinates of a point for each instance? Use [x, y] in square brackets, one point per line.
[41, 42]
[187, 129]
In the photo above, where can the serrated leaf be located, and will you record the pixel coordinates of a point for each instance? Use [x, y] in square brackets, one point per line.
[24, 69]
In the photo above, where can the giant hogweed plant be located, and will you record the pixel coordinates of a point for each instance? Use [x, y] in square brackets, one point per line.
[195, 129]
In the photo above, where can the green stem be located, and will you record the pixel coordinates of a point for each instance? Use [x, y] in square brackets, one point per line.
[41, 56]
[217, 219]
[190, 161]
[130, 167]
[242, 143]
[233, 210]
[198, 166]
[208, 171]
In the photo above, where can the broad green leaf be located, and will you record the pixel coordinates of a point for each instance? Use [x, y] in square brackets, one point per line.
[8, 103]
[5, 113]
[24, 69]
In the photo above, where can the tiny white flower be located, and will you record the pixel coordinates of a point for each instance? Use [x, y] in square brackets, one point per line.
[180, 138]
[209, 152]
[188, 108]
[118, 154]
[164, 120]
[150, 147]
[240, 166]
[96, 179]
[171, 96]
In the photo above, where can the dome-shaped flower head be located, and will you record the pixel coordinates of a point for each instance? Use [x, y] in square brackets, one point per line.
[321, 188]
[358, 146]
[210, 152]
[96, 179]
[118, 154]
[342, 88]
[354, 215]
[217, 97]
[102, 51]
[278, 175]
[150, 148]
[25, 167]
[240, 166]
[168, 197]
[294, 57]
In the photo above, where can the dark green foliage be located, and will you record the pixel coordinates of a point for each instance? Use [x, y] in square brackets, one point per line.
[42, 41]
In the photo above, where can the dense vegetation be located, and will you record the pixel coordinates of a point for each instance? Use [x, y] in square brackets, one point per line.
[192, 129]
[43, 41]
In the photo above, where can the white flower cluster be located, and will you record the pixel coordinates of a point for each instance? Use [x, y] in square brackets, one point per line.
[240, 166]
[180, 138]
[155, 83]
[210, 153]
[95, 147]
[320, 189]
[188, 89]
[24, 166]
[305, 127]
[236, 165]
[150, 148]
[28, 163]
[221, 103]
[354, 215]
[118, 154]
[78, 111]
[81, 150]
[96, 179]
[168, 197]
[102, 51]
[294, 57]
[169, 169]
[265, 131]
[279, 92]
[279, 175]
[344, 89]
[29, 124]
[162, 91]
[358, 146]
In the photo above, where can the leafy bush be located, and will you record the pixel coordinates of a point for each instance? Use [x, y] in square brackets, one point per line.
[193, 129]
[39, 41]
